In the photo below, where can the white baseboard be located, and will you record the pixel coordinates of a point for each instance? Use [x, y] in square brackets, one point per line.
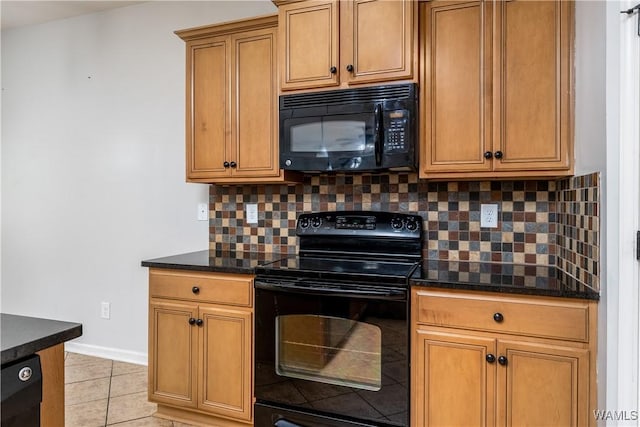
[107, 353]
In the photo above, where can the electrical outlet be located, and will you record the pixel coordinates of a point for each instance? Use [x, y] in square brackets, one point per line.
[203, 212]
[489, 215]
[105, 310]
[252, 213]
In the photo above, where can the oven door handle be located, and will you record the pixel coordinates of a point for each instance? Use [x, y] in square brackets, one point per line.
[284, 423]
[389, 294]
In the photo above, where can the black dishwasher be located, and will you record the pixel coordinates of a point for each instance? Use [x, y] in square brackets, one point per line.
[21, 393]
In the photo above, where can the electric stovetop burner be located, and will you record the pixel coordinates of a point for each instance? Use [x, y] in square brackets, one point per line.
[339, 269]
[353, 246]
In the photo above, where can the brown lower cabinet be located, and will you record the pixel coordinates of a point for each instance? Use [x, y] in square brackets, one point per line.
[486, 360]
[200, 346]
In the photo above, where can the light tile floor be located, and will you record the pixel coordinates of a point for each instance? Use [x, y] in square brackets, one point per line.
[102, 392]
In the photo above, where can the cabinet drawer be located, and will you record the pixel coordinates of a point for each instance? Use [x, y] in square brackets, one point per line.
[219, 288]
[531, 316]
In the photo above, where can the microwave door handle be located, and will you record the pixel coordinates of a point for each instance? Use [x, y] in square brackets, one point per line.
[379, 134]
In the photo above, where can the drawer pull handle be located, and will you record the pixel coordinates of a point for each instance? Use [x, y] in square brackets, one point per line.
[192, 321]
[503, 360]
[195, 290]
[490, 358]
[199, 322]
[498, 317]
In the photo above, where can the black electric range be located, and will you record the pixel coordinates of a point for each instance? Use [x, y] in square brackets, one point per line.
[332, 344]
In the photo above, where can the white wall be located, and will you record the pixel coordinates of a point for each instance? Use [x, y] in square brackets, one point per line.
[590, 94]
[591, 136]
[93, 164]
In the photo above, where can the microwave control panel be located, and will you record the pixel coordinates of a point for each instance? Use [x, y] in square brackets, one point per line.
[396, 126]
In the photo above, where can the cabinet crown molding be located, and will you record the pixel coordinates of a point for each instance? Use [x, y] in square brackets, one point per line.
[283, 2]
[256, 23]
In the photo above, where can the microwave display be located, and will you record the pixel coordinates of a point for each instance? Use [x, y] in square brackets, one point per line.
[364, 129]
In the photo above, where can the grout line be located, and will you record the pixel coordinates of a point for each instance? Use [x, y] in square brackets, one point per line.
[106, 415]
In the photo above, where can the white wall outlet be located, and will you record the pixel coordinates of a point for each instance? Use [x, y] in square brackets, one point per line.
[489, 215]
[203, 212]
[251, 213]
[105, 310]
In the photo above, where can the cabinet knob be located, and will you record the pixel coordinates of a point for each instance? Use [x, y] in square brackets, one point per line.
[333, 70]
[233, 164]
[195, 290]
[199, 322]
[349, 68]
[490, 358]
[498, 154]
[192, 321]
[498, 317]
[488, 155]
[225, 164]
[503, 360]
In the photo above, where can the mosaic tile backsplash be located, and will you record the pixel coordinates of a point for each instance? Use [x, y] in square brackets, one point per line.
[578, 239]
[539, 222]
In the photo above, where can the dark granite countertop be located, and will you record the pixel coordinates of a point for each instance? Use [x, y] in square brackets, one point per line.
[22, 336]
[504, 278]
[478, 276]
[212, 261]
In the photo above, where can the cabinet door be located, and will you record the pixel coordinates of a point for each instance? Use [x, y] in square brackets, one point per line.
[226, 362]
[532, 116]
[454, 384]
[378, 39]
[254, 104]
[208, 107]
[456, 83]
[543, 385]
[309, 44]
[172, 353]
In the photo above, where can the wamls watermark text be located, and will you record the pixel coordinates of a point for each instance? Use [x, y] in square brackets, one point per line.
[616, 415]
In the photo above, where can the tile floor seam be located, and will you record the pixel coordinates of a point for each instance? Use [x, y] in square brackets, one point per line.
[106, 415]
[85, 380]
[127, 421]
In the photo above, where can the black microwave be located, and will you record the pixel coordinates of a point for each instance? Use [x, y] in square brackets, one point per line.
[364, 129]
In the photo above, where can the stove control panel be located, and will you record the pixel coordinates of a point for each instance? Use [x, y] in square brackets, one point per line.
[356, 222]
[359, 223]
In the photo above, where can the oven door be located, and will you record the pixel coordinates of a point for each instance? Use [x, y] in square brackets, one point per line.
[338, 354]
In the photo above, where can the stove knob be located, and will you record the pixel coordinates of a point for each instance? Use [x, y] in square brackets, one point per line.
[303, 222]
[316, 221]
[412, 225]
[396, 223]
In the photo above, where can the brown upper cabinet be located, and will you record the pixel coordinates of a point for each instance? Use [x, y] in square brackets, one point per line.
[331, 43]
[232, 102]
[496, 89]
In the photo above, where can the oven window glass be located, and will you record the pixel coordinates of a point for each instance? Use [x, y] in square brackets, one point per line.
[328, 136]
[330, 350]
